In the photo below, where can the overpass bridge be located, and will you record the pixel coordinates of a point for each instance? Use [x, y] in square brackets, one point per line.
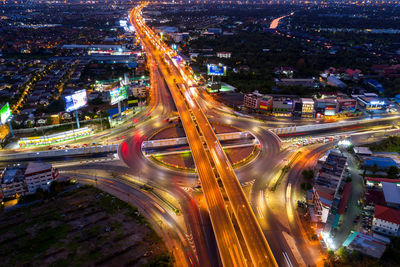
[183, 140]
[210, 164]
[82, 151]
[328, 126]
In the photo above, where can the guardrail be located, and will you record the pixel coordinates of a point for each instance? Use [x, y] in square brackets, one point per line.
[183, 140]
[60, 152]
[324, 126]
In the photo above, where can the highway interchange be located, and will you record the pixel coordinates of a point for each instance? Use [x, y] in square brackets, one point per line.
[190, 233]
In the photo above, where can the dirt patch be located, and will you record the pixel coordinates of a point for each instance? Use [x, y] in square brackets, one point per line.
[84, 227]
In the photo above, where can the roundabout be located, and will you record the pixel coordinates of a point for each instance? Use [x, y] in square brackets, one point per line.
[168, 148]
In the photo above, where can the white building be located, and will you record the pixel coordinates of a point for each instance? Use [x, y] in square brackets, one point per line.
[224, 54]
[38, 175]
[307, 109]
[386, 221]
[252, 100]
[12, 182]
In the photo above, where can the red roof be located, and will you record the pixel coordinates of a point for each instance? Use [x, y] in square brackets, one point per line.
[325, 195]
[345, 198]
[387, 214]
[375, 197]
[379, 180]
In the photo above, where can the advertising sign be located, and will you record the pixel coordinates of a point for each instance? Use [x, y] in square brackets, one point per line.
[330, 111]
[265, 105]
[347, 104]
[118, 94]
[75, 101]
[215, 70]
[5, 113]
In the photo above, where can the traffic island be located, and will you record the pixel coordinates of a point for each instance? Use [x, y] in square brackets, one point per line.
[175, 152]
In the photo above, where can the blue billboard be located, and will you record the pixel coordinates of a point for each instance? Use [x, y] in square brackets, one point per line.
[215, 70]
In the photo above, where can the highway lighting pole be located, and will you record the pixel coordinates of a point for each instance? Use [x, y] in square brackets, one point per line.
[119, 108]
[11, 129]
[77, 119]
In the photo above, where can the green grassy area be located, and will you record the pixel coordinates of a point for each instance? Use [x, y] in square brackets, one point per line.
[390, 144]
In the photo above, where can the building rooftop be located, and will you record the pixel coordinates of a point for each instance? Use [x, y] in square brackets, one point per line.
[344, 199]
[365, 244]
[35, 167]
[362, 150]
[380, 162]
[331, 171]
[380, 180]
[387, 214]
[375, 197]
[391, 192]
[307, 100]
[12, 174]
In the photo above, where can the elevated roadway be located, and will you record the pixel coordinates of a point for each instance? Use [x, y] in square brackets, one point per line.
[228, 243]
[195, 122]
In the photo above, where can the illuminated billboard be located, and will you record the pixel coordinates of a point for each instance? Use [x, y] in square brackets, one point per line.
[123, 23]
[118, 94]
[75, 101]
[5, 113]
[215, 70]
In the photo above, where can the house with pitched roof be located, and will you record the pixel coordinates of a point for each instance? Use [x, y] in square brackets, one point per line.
[386, 221]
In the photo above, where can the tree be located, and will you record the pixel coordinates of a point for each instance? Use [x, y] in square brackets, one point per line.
[49, 121]
[308, 174]
[392, 172]
[374, 168]
[305, 186]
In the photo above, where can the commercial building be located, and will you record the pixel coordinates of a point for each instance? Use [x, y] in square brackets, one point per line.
[252, 100]
[38, 175]
[362, 151]
[372, 246]
[19, 181]
[391, 192]
[13, 182]
[307, 107]
[335, 82]
[370, 103]
[266, 103]
[325, 107]
[282, 106]
[257, 101]
[386, 221]
[377, 182]
[381, 163]
[346, 105]
[327, 181]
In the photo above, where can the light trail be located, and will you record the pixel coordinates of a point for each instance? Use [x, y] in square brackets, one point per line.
[256, 244]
